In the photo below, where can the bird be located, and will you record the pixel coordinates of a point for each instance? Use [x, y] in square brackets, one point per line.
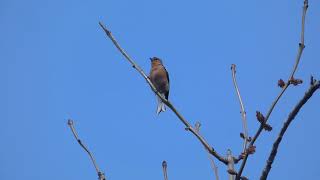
[160, 79]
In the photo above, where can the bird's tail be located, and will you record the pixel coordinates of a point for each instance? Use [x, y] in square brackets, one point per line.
[161, 106]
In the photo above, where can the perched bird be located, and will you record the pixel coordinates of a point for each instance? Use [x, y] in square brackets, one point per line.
[160, 79]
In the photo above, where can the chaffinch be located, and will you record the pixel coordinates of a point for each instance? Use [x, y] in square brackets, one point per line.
[160, 79]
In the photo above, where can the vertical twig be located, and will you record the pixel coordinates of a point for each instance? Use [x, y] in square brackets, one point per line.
[243, 111]
[75, 134]
[285, 126]
[164, 169]
[230, 165]
[214, 167]
[289, 81]
[212, 163]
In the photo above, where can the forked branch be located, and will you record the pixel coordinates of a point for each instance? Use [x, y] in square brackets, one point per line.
[314, 86]
[188, 126]
[290, 81]
[101, 175]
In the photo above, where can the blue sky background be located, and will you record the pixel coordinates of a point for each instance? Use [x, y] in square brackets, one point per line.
[56, 63]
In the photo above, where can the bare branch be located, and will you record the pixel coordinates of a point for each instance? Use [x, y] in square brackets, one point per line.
[243, 111]
[164, 169]
[301, 44]
[212, 163]
[231, 169]
[74, 132]
[182, 119]
[298, 57]
[285, 126]
[214, 167]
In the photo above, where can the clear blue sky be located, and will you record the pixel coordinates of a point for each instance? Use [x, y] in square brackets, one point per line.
[56, 63]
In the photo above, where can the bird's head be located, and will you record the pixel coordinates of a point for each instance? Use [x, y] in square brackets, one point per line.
[155, 61]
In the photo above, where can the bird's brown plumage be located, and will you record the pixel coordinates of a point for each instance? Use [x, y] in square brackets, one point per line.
[160, 79]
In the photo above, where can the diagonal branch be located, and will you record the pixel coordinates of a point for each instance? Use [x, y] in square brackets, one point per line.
[74, 132]
[210, 149]
[289, 81]
[243, 111]
[292, 115]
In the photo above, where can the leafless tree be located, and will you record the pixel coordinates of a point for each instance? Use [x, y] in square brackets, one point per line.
[248, 142]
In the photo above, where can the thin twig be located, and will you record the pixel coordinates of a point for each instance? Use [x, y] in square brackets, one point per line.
[212, 163]
[75, 134]
[243, 111]
[214, 167]
[164, 169]
[230, 165]
[285, 126]
[298, 57]
[182, 119]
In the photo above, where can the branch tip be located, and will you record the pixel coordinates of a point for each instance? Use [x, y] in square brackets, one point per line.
[164, 164]
[104, 28]
[197, 126]
[312, 81]
[242, 109]
[74, 132]
[306, 4]
[70, 122]
[233, 68]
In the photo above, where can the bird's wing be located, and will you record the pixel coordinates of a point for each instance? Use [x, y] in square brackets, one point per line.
[167, 93]
[167, 74]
